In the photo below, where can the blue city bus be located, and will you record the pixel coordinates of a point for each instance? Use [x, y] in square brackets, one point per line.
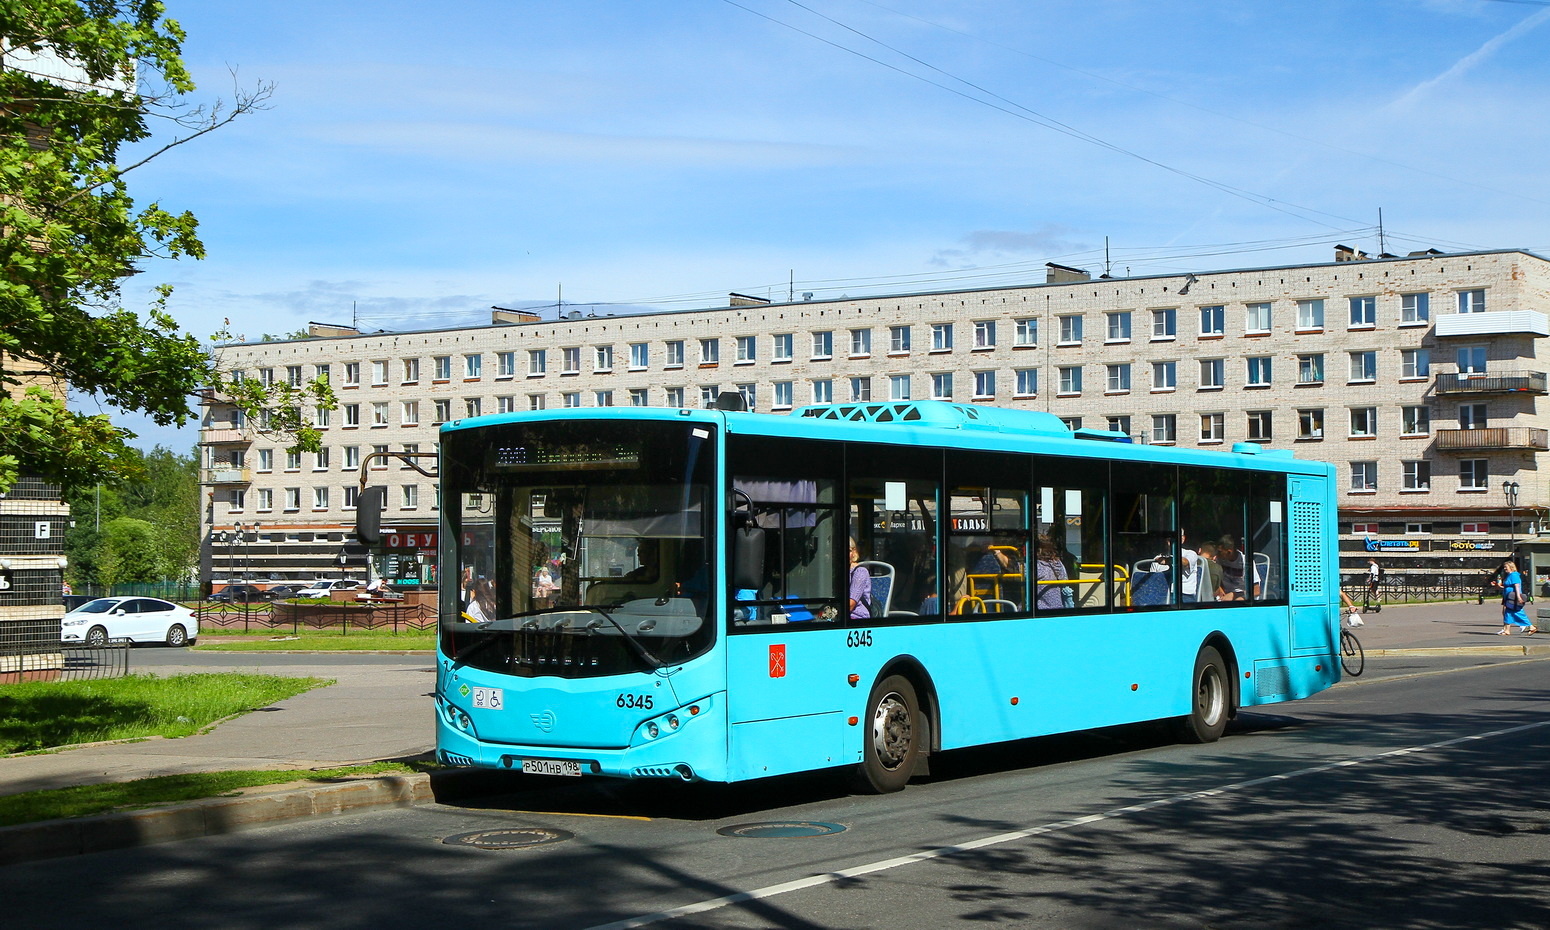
[723, 595]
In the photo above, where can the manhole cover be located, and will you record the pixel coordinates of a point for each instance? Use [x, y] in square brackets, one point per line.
[509, 839]
[782, 829]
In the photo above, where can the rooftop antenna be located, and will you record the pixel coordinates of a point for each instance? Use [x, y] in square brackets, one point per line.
[1106, 268]
[791, 285]
[1381, 249]
[559, 301]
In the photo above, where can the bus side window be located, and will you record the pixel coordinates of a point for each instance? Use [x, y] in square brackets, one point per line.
[893, 505]
[1071, 498]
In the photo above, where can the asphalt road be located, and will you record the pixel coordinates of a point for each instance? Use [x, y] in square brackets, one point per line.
[1413, 797]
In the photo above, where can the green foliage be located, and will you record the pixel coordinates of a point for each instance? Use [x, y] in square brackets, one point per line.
[149, 521]
[70, 231]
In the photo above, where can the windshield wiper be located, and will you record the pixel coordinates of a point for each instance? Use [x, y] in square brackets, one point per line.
[605, 612]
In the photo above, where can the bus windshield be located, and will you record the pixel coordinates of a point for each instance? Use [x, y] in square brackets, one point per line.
[582, 546]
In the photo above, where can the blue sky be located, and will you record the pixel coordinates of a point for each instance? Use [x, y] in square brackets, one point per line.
[418, 165]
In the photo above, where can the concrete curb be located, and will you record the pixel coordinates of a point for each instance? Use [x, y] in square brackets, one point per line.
[50, 839]
[1503, 650]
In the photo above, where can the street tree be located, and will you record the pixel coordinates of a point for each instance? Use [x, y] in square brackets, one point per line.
[82, 83]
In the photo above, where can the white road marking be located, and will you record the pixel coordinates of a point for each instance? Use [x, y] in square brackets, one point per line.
[814, 881]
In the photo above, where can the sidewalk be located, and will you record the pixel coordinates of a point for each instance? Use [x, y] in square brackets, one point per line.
[383, 712]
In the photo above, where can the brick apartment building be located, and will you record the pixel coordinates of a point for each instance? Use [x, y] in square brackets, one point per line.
[1417, 376]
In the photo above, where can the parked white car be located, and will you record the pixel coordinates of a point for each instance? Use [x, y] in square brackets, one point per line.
[138, 619]
[322, 588]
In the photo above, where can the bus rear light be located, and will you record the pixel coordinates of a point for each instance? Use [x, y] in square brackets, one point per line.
[652, 731]
[1135, 687]
[854, 720]
[1014, 702]
[694, 709]
[1248, 674]
[852, 679]
[672, 722]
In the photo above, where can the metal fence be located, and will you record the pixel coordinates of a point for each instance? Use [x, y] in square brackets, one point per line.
[110, 660]
[180, 591]
[32, 651]
[333, 618]
[1420, 587]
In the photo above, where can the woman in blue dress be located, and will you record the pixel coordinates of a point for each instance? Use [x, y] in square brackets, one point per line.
[1513, 601]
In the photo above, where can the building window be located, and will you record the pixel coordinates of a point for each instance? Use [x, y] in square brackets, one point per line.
[320, 498]
[352, 374]
[984, 334]
[1027, 333]
[1259, 370]
[1415, 309]
[266, 460]
[860, 389]
[471, 406]
[239, 499]
[379, 372]
[265, 499]
[320, 459]
[1165, 428]
[1474, 529]
[1257, 318]
[783, 395]
[1118, 326]
[1310, 423]
[350, 494]
[293, 375]
[320, 417]
[750, 393]
[506, 364]
[823, 391]
[1071, 330]
[293, 498]
[352, 458]
[1259, 426]
[1364, 476]
[823, 345]
[352, 415]
[1418, 529]
[1118, 378]
[1119, 425]
[1213, 427]
[747, 349]
[1070, 379]
[942, 385]
[411, 371]
[443, 365]
[1415, 363]
[443, 411]
[984, 385]
[1364, 312]
[1165, 376]
[1213, 374]
[898, 339]
[708, 394]
[899, 387]
[1310, 369]
[1213, 321]
[1310, 314]
[411, 496]
[1472, 301]
[860, 342]
[1027, 382]
[379, 413]
[537, 362]
[602, 398]
[1417, 421]
[536, 402]
[639, 397]
[1417, 475]
[1165, 323]
[674, 352]
[674, 397]
[1072, 423]
[1364, 366]
[1473, 475]
[506, 403]
[941, 337]
[570, 399]
[570, 360]
[640, 356]
[710, 351]
[784, 347]
[1470, 359]
[603, 358]
[1364, 422]
[1364, 529]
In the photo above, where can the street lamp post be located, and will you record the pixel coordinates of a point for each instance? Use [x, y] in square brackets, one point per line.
[1510, 489]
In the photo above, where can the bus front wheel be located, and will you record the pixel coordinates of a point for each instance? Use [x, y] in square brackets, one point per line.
[1210, 699]
[893, 737]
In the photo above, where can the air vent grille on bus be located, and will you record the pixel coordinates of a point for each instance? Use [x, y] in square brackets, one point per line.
[1307, 546]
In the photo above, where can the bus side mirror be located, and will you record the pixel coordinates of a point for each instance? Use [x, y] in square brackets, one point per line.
[747, 558]
[368, 515]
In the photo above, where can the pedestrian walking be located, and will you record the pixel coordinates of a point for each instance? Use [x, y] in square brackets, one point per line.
[1374, 579]
[1514, 600]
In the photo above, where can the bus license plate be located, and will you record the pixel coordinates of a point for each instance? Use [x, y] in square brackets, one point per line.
[550, 767]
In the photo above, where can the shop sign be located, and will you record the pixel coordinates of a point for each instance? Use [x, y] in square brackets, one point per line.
[1472, 545]
[409, 540]
[1393, 545]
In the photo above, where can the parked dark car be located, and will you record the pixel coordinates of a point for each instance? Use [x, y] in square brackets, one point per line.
[240, 594]
[281, 592]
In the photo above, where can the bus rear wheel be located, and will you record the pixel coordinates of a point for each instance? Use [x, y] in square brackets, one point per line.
[1210, 699]
[893, 737]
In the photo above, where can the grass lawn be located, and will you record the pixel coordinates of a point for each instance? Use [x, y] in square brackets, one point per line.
[46, 714]
[85, 800]
[314, 640]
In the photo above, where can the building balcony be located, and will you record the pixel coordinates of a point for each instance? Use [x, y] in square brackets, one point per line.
[1493, 382]
[226, 475]
[1494, 323]
[1498, 438]
[216, 437]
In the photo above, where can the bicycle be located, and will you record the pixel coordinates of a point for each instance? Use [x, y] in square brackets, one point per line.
[1352, 659]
